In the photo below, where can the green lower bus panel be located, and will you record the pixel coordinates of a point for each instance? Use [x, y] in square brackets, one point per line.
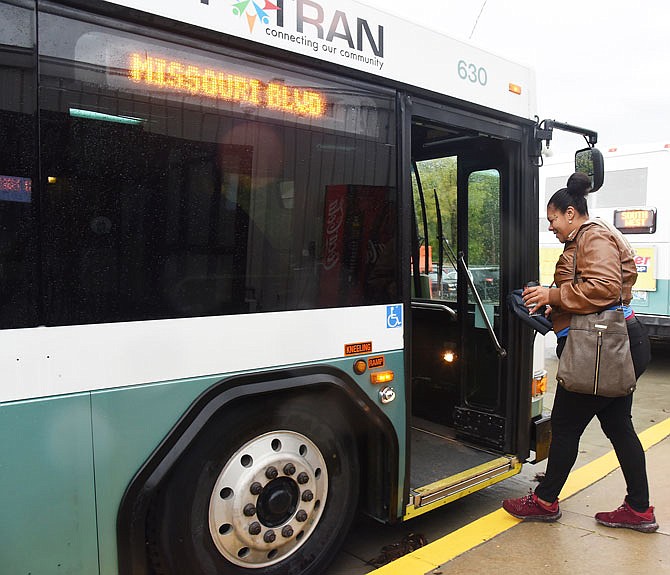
[47, 488]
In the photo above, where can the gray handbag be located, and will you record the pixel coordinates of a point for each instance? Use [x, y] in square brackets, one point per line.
[596, 358]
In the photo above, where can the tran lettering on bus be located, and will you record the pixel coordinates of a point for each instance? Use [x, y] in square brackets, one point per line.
[311, 19]
[311, 13]
[211, 83]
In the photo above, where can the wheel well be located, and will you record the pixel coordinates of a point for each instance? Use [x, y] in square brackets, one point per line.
[378, 459]
[375, 440]
[371, 441]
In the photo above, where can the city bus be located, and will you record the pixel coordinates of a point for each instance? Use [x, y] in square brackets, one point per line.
[218, 336]
[632, 198]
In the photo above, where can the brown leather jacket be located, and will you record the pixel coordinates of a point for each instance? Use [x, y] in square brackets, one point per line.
[602, 255]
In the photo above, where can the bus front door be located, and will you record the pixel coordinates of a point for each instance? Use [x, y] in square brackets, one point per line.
[462, 420]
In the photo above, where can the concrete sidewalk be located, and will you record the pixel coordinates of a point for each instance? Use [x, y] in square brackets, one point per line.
[576, 543]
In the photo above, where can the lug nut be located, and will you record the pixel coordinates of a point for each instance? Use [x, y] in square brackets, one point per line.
[271, 472]
[289, 469]
[301, 515]
[255, 488]
[249, 510]
[254, 528]
[287, 531]
[303, 478]
[269, 536]
[307, 495]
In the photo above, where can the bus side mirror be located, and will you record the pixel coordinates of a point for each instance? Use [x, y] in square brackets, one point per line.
[590, 161]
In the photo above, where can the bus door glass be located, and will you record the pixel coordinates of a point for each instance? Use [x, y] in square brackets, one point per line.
[435, 334]
[481, 403]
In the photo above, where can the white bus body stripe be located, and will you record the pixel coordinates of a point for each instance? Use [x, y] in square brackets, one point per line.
[45, 361]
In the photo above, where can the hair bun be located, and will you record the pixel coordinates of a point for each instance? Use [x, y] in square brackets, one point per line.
[579, 184]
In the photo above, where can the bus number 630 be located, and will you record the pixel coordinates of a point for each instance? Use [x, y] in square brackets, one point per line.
[472, 73]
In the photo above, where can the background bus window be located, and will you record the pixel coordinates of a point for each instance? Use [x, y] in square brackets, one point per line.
[169, 202]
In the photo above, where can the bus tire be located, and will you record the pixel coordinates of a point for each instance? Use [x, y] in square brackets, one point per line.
[273, 489]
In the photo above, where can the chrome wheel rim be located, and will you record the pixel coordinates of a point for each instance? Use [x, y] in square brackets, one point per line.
[268, 499]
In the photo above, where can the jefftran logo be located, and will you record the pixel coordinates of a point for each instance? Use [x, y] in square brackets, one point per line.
[254, 12]
[334, 34]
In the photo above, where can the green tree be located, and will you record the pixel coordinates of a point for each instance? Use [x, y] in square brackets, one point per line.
[438, 177]
[484, 218]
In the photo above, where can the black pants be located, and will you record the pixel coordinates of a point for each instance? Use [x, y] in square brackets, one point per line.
[572, 412]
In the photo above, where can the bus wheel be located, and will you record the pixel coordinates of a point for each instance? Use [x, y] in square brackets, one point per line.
[274, 491]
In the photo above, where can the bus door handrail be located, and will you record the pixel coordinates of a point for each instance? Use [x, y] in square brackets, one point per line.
[435, 306]
[501, 350]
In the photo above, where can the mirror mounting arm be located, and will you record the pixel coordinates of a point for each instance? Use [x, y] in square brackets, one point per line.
[544, 131]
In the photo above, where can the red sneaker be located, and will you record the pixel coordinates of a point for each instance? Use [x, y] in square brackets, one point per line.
[529, 508]
[626, 516]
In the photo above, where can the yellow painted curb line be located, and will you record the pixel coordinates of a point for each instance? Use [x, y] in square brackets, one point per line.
[435, 554]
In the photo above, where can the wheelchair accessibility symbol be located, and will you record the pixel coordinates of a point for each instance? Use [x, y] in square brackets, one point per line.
[393, 316]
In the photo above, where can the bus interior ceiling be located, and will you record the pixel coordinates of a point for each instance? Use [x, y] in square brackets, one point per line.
[431, 140]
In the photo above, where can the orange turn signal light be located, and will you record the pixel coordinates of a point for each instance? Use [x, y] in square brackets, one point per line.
[515, 88]
[381, 377]
[539, 382]
[360, 365]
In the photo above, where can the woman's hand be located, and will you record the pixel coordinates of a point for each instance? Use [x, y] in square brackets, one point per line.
[535, 297]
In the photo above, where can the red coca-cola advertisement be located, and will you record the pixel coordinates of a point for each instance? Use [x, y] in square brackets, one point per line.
[359, 225]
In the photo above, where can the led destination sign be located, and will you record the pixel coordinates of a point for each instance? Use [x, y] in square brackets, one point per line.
[637, 221]
[211, 83]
